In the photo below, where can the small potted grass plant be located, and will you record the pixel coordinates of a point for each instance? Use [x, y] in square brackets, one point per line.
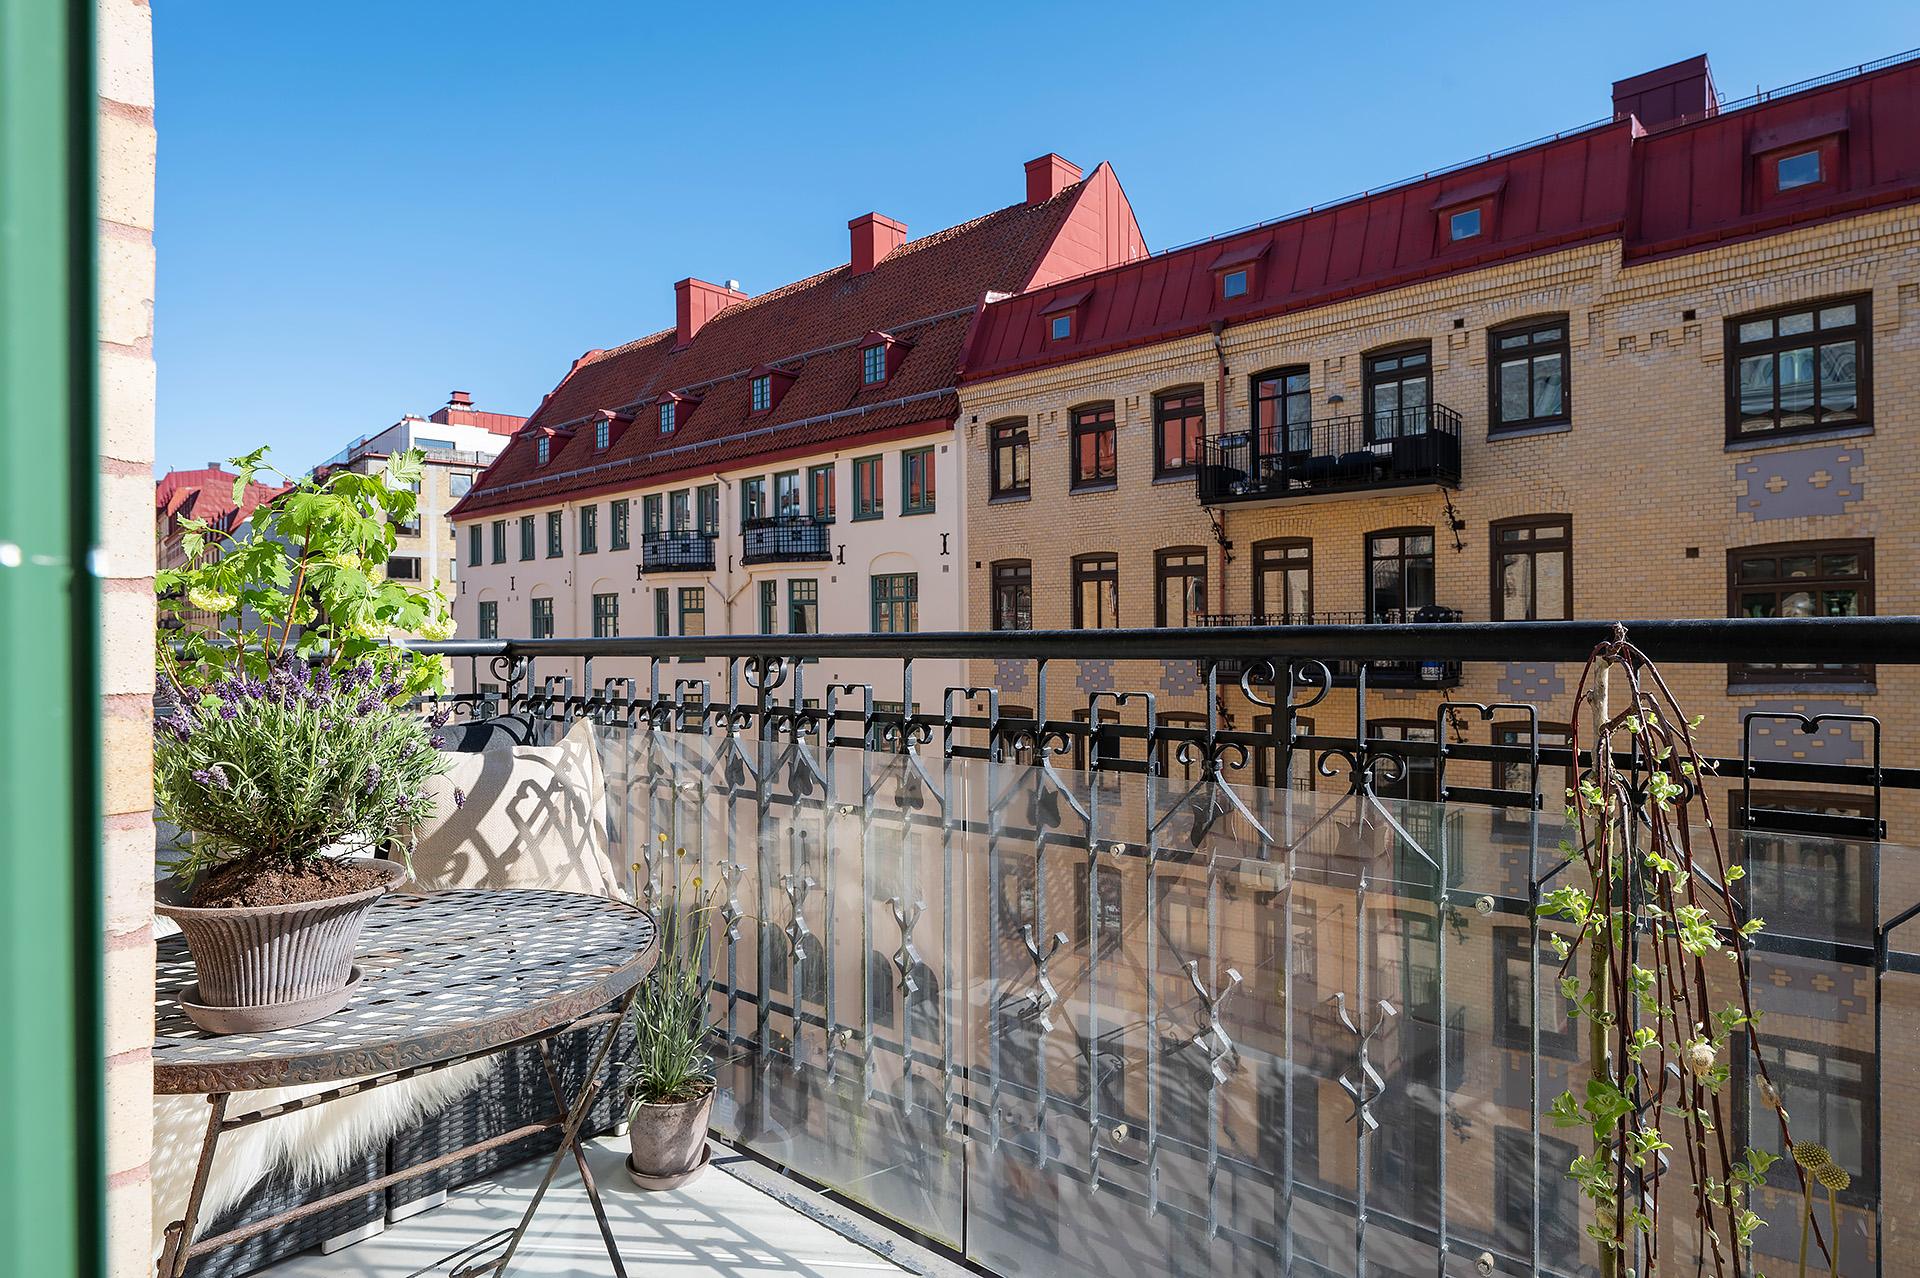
[291, 744]
[670, 1079]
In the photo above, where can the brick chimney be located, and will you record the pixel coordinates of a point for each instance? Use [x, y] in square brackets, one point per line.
[460, 399]
[1661, 96]
[1048, 176]
[695, 302]
[874, 236]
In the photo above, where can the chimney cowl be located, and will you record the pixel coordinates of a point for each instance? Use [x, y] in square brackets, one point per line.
[1049, 175]
[1665, 95]
[460, 399]
[873, 236]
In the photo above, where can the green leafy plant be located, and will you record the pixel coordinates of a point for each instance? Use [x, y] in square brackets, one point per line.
[290, 736]
[1656, 912]
[672, 1013]
[306, 578]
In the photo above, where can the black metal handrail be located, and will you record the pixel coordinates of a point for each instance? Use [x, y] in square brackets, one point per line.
[1409, 672]
[1381, 449]
[677, 550]
[785, 539]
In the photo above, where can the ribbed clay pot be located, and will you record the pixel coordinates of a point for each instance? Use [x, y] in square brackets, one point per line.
[669, 1141]
[269, 967]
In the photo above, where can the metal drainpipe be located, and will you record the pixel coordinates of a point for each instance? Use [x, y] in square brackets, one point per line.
[1220, 398]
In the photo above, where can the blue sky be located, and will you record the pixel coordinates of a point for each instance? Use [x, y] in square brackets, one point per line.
[362, 206]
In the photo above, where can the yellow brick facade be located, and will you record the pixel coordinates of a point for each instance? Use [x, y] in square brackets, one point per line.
[1655, 494]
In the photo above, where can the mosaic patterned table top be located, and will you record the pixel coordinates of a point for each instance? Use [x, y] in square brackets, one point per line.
[443, 975]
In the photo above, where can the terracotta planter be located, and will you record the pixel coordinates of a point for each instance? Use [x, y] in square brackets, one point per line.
[269, 967]
[669, 1142]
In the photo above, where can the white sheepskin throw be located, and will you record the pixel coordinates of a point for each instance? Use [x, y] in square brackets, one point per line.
[313, 1144]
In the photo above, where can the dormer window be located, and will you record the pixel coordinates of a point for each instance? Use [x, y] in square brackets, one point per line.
[1799, 169]
[1463, 225]
[543, 450]
[766, 385]
[666, 417]
[873, 364]
[602, 434]
[1062, 311]
[1234, 284]
[1236, 271]
[1061, 328]
[1469, 210]
[762, 387]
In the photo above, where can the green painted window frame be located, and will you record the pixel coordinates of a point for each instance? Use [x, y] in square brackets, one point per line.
[499, 541]
[489, 621]
[540, 617]
[753, 498]
[590, 529]
[707, 509]
[896, 596]
[526, 538]
[652, 508]
[912, 459]
[476, 544]
[872, 504]
[662, 613]
[52, 1044]
[619, 515]
[606, 616]
[556, 531]
[769, 607]
[820, 494]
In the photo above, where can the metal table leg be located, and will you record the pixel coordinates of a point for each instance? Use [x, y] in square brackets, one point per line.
[570, 1141]
[173, 1256]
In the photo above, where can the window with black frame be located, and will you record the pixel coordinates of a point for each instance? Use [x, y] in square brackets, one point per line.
[1831, 1094]
[1399, 574]
[1180, 585]
[1799, 369]
[1095, 455]
[1283, 580]
[1010, 458]
[1815, 886]
[1179, 424]
[1096, 592]
[1532, 559]
[1801, 579]
[1283, 411]
[1399, 386]
[1514, 999]
[1012, 585]
[1527, 373]
[1517, 1190]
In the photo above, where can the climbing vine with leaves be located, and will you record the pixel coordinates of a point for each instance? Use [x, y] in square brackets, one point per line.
[305, 577]
[1658, 910]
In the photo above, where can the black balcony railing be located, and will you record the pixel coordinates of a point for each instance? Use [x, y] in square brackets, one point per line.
[1401, 672]
[682, 550]
[1093, 1020]
[786, 539]
[1365, 450]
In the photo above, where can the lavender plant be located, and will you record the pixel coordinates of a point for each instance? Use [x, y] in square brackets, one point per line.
[297, 765]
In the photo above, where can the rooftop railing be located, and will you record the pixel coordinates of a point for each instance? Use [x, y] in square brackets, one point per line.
[1210, 999]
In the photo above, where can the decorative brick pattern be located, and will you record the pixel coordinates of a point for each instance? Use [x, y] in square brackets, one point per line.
[1010, 675]
[1181, 678]
[1096, 675]
[1536, 682]
[1828, 743]
[1801, 483]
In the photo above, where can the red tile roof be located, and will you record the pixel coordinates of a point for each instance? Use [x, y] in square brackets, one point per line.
[1682, 185]
[207, 494]
[924, 293]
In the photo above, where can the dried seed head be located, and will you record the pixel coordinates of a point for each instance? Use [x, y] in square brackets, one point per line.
[1812, 1157]
[1832, 1177]
[1701, 1058]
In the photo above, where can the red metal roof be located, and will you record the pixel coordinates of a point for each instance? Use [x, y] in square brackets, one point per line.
[1679, 187]
[924, 293]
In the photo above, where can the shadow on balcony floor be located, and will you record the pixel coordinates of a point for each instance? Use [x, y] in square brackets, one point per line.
[719, 1225]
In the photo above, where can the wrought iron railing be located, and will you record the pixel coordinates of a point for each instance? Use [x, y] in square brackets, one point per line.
[1146, 1016]
[679, 550]
[786, 539]
[1384, 449]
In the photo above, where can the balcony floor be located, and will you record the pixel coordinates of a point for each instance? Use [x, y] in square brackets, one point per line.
[720, 1225]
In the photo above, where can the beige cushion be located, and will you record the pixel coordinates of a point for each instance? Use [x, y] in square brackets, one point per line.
[532, 817]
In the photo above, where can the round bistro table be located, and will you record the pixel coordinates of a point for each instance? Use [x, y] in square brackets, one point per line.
[443, 979]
